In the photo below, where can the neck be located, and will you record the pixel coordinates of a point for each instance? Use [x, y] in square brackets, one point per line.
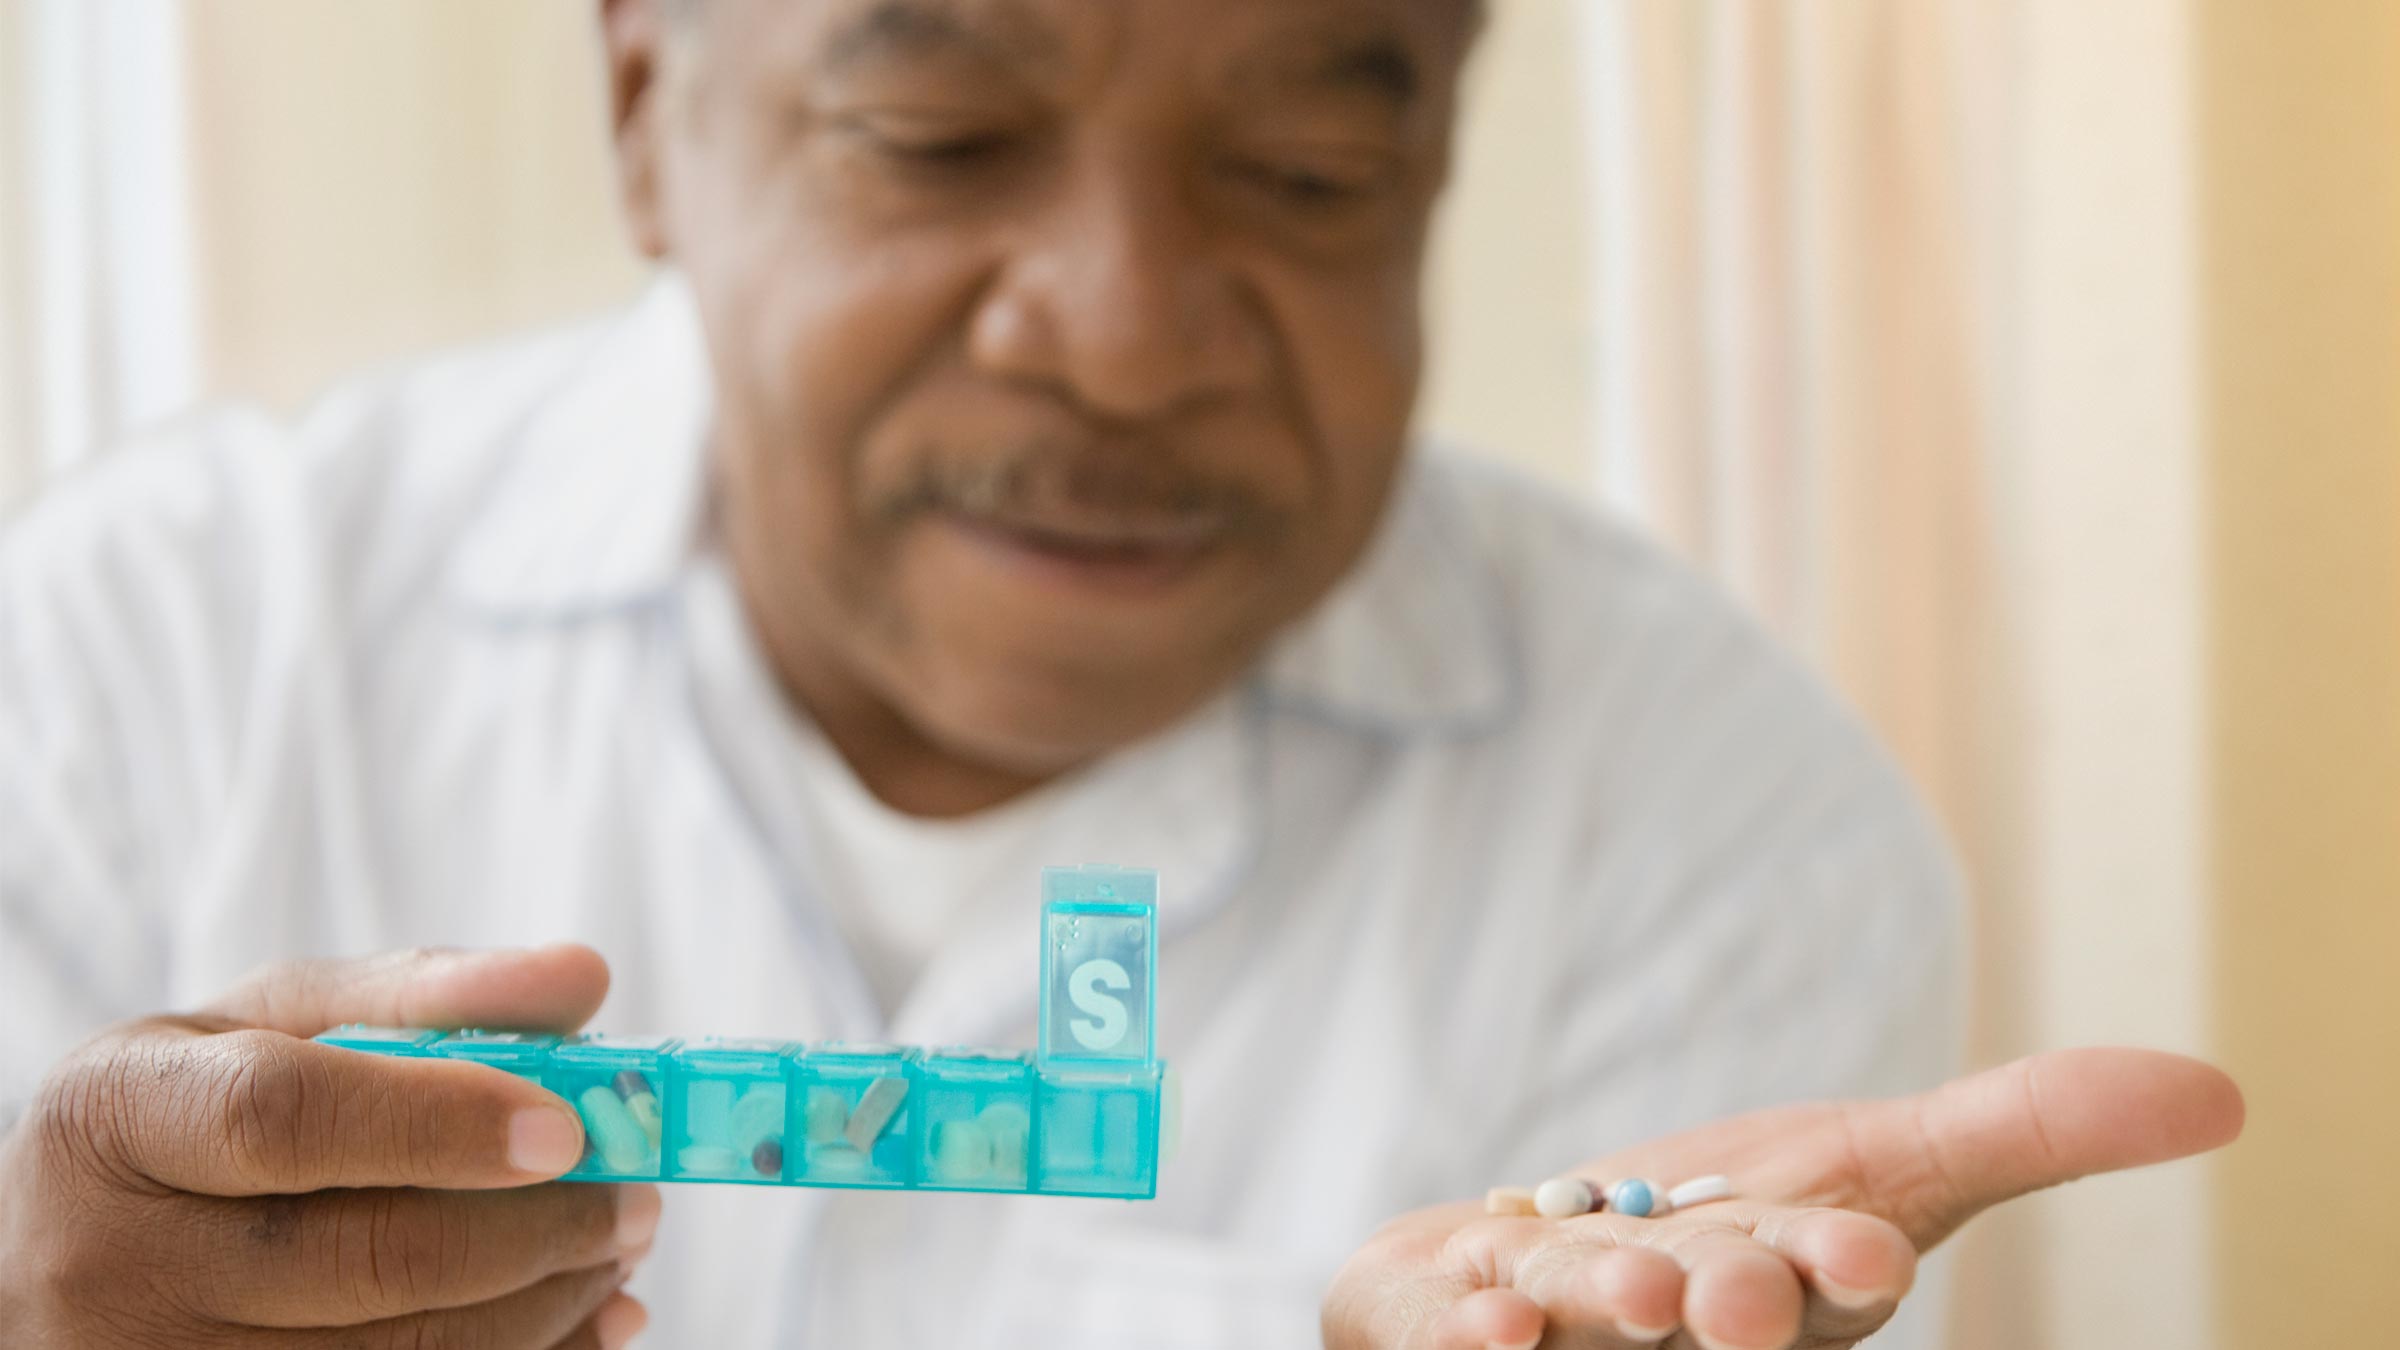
[905, 769]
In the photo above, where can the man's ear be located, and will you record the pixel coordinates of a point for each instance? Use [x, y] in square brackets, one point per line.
[633, 39]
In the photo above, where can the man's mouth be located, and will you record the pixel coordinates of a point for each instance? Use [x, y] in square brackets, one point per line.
[1108, 552]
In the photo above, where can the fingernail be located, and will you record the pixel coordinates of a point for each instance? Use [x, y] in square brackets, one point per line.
[544, 1140]
[1634, 1331]
[620, 1320]
[1843, 1296]
[637, 1216]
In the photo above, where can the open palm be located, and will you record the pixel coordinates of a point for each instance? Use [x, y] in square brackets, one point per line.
[1835, 1202]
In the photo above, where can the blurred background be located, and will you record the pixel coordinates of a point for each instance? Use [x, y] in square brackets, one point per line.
[2033, 365]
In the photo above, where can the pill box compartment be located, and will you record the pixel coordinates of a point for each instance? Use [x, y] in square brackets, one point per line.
[395, 1042]
[1099, 1131]
[525, 1054]
[618, 1085]
[977, 1120]
[1099, 967]
[853, 1111]
[727, 1113]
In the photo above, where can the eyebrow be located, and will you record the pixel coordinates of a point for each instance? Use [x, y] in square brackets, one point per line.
[899, 30]
[1375, 62]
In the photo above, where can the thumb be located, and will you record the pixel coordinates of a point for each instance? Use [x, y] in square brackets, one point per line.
[2040, 1122]
[554, 988]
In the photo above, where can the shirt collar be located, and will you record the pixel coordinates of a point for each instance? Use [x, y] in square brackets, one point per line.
[602, 507]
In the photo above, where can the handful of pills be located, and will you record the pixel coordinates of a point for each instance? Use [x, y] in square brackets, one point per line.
[1567, 1197]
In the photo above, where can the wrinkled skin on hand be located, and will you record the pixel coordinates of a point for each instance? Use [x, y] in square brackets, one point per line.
[220, 1180]
[1834, 1204]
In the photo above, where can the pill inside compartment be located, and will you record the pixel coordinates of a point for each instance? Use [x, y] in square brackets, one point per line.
[854, 1114]
[1100, 1131]
[525, 1054]
[617, 1084]
[728, 1115]
[977, 1120]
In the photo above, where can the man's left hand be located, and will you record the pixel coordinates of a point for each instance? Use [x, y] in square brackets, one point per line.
[1834, 1203]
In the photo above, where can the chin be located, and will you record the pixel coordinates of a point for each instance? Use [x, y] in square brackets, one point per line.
[1032, 713]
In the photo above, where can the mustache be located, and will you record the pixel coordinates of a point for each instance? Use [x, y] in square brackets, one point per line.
[1033, 480]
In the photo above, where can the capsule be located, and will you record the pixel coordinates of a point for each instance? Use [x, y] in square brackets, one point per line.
[641, 1102]
[620, 1140]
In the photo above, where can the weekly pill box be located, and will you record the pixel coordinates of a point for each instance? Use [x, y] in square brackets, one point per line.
[1082, 1115]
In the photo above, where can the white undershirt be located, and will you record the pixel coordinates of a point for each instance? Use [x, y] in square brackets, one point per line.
[895, 885]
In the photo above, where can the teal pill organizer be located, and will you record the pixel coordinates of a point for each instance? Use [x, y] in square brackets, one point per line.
[1082, 1114]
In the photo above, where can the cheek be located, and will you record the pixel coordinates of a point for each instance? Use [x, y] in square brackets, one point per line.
[1355, 350]
[817, 335]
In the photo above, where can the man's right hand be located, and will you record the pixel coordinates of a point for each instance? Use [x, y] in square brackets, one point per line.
[219, 1180]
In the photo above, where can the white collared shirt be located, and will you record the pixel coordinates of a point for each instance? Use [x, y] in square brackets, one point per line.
[1523, 847]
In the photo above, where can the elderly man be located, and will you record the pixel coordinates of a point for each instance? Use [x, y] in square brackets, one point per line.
[1012, 469]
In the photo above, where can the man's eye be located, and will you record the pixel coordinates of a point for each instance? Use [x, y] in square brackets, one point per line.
[947, 151]
[1309, 186]
[931, 144]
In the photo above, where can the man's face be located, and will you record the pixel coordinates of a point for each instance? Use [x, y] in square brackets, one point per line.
[1065, 348]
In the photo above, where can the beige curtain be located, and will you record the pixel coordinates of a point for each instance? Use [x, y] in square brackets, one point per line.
[1786, 366]
[1891, 305]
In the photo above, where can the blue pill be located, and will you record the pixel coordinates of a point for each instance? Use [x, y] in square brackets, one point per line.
[1634, 1198]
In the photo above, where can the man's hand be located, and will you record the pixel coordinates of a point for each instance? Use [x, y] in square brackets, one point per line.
[1835, 1202]
[218, 1180]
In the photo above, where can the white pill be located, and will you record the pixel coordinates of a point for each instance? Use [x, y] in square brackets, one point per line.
[708, 1160]
[757, 1116]
[962, 1151]
[876, 1107]
[828, 1112]
[1563, 1198]
[1010, 1129]
[835, 1160]
[1700, 1191]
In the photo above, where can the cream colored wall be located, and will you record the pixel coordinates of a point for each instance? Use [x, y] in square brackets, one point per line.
[2095, 926]
[1511, 291]
[381, 176]
[2301, 102]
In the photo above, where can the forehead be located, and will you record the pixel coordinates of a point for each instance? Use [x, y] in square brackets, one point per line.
[1392, 49]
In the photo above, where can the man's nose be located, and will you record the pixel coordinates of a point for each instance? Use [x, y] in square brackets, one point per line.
[1118, 296]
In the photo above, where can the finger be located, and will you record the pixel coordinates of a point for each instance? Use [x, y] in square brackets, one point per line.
[554, 988]
[617, 1323]
[1487, 1319]
[544, 1314]
[340, 1257]
[258, 1113]
[1404, 1278]
[1599, 1296]
[1737, 1294]
[1856, 1267]
[1945, 1156]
